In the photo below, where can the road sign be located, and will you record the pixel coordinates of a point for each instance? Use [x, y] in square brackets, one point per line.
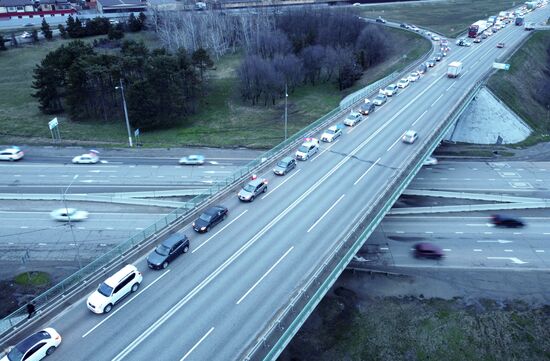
[136, 132]
[53, 123]
[501, 66]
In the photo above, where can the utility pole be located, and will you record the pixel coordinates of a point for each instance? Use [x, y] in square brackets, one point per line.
[286, 110]
[121, 87]
[70, 224]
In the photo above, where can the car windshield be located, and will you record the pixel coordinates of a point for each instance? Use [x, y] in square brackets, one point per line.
[282, 164]
[330, 131]
[15, 354]
[105, 290]
[248, 188]
[380, 97]
[205, 217]
[304, 149]
[162, 250]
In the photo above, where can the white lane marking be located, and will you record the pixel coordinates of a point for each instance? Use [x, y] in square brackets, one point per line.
[125, 304]
[324, 150]
[447, 249]
[546, 233]
[539, 251]
[364, 174]
[264, 275]
[487, 232]
[476, 224]
[42, 244]
[421, 115]
[428, 232]
[283, 182]
[459, 232]
[439, 97]
[513, 259]
[139, 229]
[508, 250]
[478, 250]
[197, 344]
[450, 86]
[215, 234]
[517, 233]
[353, 128]
[324, 214]
[23, 227]
[394, 143]
[501, 241]
[399, 231]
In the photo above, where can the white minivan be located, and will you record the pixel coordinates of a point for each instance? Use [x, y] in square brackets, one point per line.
[114, 289]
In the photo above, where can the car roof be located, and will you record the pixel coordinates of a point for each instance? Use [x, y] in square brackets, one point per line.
[123, 272]
[214, 210]
[173, 239]
[425, 246]
[32, 340]
[334, 127]
[255, 182]
[410, 132]
[287, 159]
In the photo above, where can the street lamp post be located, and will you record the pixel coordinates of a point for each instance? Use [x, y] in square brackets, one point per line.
[286, 111]
[121, 87]
[69, 222]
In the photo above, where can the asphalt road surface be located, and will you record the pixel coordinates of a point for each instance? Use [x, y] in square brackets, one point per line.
[212, 303]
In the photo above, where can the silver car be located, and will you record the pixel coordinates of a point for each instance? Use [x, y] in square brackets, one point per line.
[252, 189]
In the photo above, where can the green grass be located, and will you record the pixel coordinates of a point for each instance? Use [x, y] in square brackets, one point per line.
[446, 17]
[223, 120]
[517, 86]
[33, 278]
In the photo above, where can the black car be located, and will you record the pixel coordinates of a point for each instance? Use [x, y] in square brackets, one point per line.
[431, 63]
[367, 108]
[438, 56]
[168, 250]
[284, 166]
[210, 218]
[403, 25]
[506, 221]
[427, 250]
[380, 20]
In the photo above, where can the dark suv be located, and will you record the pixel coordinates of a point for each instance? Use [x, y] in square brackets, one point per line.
[168, 250]
[500, 220]
[367, 108]
[252, 189]
[209, 218]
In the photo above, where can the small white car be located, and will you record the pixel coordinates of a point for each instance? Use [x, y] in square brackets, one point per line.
[11, 154]
[430, 161]
[380, 99]
[35, 347]
[409, 137]
[403, 83]
[194, 159]
[353, 118]
[435, 37]
[390, 90]
[307, 149]
[69, 214]
[114, 289]
[26, 35]
[88, 158]
[331, 133]
[414, 76]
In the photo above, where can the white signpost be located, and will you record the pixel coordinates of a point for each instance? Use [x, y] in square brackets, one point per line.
[54, 129]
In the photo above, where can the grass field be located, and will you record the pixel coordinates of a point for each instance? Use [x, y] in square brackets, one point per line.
[223, 119]
[446, 17]
[518, 86]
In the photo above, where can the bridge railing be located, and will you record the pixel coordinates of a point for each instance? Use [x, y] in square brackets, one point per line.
[278, 334]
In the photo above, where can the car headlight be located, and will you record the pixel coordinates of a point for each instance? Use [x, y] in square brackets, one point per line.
[203, 228]
[193, 224]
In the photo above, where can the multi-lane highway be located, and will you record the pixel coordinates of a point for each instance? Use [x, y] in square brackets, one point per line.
[212, 303]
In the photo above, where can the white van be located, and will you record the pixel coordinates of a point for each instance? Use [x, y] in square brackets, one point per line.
[114, 289]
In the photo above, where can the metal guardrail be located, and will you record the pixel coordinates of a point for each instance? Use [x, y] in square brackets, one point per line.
[272, 342]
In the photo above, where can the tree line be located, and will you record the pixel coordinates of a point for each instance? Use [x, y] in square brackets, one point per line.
[160, 88]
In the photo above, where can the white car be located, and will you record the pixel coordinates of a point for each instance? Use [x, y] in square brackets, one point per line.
[390, 90]
[353, 118]
[35, 347]
[114, 289]
[414, 76]
[69, 214]
[11, 154]
[380, 99]
[194, 159]
[307, 149]
[403, 83]
[26, 35]
[331, 133]
[435, 38]
[88, 158]
[430, 161]
[409, 137]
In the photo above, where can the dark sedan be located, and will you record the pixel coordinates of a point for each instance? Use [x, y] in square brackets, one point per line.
[210, 218]
[506, 221]
[427, 250]
[168, 250]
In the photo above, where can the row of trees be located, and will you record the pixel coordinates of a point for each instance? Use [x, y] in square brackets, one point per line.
[74, 28]
[161, 89]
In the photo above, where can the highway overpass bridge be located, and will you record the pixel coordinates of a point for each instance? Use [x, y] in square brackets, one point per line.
[246, 287]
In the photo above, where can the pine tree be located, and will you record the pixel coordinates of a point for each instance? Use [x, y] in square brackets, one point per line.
[35, 36]
[62, 31]
[14, 43]
[2, 43]
[201, 60]
[46, 31]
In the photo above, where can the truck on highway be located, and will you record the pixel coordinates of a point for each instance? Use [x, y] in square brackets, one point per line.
[529, 26]
[454, 69]
[519, 21]
[477, 28]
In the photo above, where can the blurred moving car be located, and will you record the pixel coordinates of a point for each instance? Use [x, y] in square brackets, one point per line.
[403, 83]
[26, 35]
[500, 220]
[380, 20]
[427, 250]
[169, 249]
[69, 214]
[390, 90]
[414, 76]
[284, 166]
[332, 133]
[380, 99]
[88, 158]
[430, 161]
[35, 347]
[12, 153]
[209, 218]
[477, 40]
[500, 45]
[194, 159]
